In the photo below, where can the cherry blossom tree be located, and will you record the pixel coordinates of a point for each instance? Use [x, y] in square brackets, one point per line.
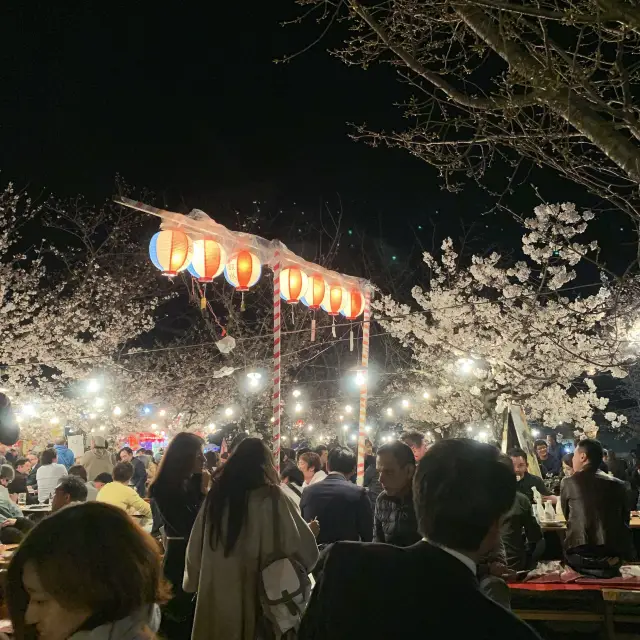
[493, 332]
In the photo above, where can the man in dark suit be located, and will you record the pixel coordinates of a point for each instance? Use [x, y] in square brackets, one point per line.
[377, 592]
[597, 511]
[341, 507]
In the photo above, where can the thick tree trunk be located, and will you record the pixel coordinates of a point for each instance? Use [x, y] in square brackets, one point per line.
[559, 98]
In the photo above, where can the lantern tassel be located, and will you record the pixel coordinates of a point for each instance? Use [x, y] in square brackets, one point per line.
[313, 328]
[333, 327]
[351, 338]
[293, 318]
[203, 299]
[242, 305]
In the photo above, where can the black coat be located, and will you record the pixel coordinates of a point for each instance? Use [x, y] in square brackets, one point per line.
[380, 592]
[341, 507]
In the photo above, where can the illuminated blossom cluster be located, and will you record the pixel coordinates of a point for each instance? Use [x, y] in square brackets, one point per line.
[491, 333]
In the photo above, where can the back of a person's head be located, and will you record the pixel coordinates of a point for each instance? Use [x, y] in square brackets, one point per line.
[48, 456]
[293, 474]
[105, 478]
[593, 450]
[123, 472]
[7, 472]
[61, 441]
[568, 459]
[461, 489]
[249, 467]
[74, 487]
[320, 449]
[178, 462]
[103, 563]
[237, 440]
[412, 438]
[301, 451]
[311, 459]
[20, 462]
[342, 460]
[79, 471]
[400, 451]
[211, 459]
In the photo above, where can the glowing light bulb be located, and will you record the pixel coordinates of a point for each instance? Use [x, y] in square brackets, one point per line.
[389, 411]
[367, 428]
[425, 395]
[345, 427]
[117, 411]
[360, 379]
[163, 413]
[405, 403]
[297, 393]
[99, 402]
[54, 420]
[211, 426]
[93, 385]
[348, 408]
[228, 411]
[298, 408]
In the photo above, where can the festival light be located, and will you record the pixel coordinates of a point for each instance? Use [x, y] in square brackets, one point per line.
[353, 437]
[310, 427]
[298, 408]
[345, 427]
[348, 408]
[54, 420]
[314, 294]
[211, 426]
[469, 428]
[29, 410]
[293, 284]
[209, 258]
[296, 393]
[243, 270]
[154, 426]
[535, 433]
[360, 378]
[367, 428]
[405, 403]
[465, 365]
[425, 395]
[389, 411]
[92, 416]
[93, 385]
[99, 402]
[170, 251]
[228, 411]
[162, 413]
[117, 411]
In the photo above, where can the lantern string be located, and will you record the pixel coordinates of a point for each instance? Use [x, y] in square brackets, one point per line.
[242, 305]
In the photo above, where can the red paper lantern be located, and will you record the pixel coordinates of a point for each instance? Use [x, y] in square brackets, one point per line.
[353, 304]
[333, 297]
[243, 270]
[209, 258]
[293, 284]
[315, 292]
[170, 251]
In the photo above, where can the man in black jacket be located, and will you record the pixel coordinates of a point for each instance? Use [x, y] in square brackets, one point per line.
[341, 507]
[381, 592]
[139, 479]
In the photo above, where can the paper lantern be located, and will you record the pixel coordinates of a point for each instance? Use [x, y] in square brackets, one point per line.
[314, 295]
[243, 270]
[293, 284]
[352, 304]
[333, 297]
[170, 251]
[209, 258]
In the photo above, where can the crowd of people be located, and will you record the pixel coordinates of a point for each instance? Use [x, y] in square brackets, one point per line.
[235, 546]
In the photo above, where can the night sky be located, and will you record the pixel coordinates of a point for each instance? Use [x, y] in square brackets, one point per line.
[186, 101]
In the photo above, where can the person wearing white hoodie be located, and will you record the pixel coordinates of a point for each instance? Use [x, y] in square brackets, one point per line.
[104, 580]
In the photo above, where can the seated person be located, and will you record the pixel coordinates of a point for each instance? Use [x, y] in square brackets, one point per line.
[120, 494]
[49, 472]
[595, 505]
[19, 484]
[70, 490]
[521, 536]
[13, 524]
[525, 480]
[549, 465]
[79, 471]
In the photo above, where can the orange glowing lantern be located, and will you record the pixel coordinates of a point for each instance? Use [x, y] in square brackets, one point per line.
[170, 251]
[243, 270]
[209, 258]
[315, 292]
[333, 297]
[293, 284]
[352, 304]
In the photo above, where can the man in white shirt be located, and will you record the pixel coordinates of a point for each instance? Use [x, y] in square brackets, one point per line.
[49, 474]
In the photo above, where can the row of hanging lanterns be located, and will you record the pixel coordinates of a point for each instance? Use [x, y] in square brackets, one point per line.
[173, 251]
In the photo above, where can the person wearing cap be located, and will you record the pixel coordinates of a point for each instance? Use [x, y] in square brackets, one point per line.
[98, 459]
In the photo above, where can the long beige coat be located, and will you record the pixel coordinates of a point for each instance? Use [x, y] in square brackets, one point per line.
[228, 605]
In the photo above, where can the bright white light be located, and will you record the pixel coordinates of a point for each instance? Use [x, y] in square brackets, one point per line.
[469, 428]
[483, 435]
[254, 375]
[163, 433]
[367, 428]
[3, 390]
[154, 426]
[211, 426]
[341, 418]
[18, 418]
[310, 427]
[92, 416]
[54, 420]
[102, 428]
[385, 439]
[117, 411]
[535, 433]
[425, 395]
[163, 413]
[297, 393]
[295, 439]
[389, 411]
[93, 385]
[273, 419]
[298, 408]
[345, 427]
[360, 378]
[348, 408]
[353, 436]
[429, 434]
[284, 437]
[29, 410]
[228, 411]
[93, 430]
[465, 365]
[99, 402]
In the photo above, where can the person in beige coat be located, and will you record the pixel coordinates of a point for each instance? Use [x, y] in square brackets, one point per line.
[97, 460]
[231, 540]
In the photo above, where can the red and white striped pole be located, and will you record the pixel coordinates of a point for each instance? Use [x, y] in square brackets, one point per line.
[277, 406]
[363, 388]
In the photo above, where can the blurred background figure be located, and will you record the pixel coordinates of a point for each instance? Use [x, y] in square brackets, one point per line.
[98, 459]
[70, 490]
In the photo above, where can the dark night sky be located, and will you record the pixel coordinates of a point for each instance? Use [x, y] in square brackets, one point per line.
[186, 101]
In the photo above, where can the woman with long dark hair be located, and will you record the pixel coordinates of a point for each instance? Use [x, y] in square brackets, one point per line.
[232, 539]
[177, 492]
[86, 571]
